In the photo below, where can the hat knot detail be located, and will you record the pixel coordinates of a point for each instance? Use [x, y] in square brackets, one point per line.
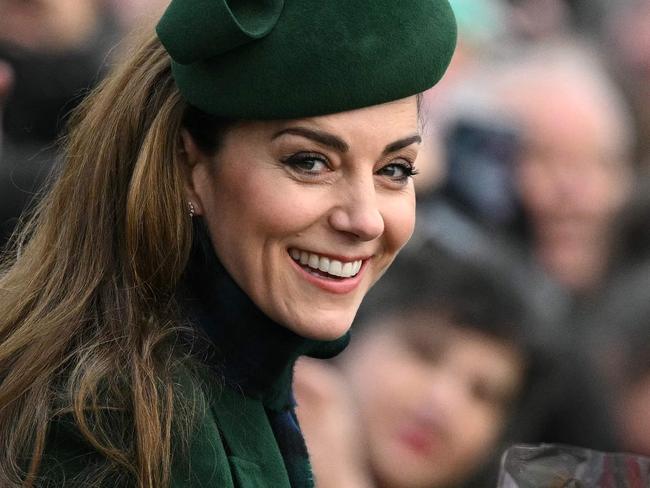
[196, 30]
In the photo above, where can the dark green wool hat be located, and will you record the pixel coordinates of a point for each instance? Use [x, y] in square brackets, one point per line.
[279, 59]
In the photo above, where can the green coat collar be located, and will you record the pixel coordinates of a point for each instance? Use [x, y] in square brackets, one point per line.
[254, 455]
[253, 353]
[233, 447]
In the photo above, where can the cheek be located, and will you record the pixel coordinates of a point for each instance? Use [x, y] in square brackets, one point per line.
[397, 380]
[281, 204]
[391, 390]
[380, 375]
[535, 188]
[478, 431]
[398, 212]
[610, 191]
[266, 206]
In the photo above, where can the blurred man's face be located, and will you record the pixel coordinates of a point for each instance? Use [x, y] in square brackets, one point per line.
[572, 179]
[433, 400]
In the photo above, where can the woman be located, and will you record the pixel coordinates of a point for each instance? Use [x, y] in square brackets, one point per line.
[243, 177]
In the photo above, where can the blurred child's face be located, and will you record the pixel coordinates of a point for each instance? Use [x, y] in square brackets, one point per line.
[433, 400]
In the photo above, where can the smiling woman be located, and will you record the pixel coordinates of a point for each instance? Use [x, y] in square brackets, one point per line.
[228, 196]
[306, 214]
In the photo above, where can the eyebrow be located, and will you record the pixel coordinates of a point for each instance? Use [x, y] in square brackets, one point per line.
[315, 135]
[401, 144]
[339, 144]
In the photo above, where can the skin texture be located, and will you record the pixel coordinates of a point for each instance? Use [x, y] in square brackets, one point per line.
[271, 188]
[432, 400]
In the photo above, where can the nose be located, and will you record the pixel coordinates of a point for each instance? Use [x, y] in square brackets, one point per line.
[357, 212]
[443, 388]
[448, 390]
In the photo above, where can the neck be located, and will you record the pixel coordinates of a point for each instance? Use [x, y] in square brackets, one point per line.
[253, 353]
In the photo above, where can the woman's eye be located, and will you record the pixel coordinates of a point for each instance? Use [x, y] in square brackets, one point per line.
[307, 163]
[398, 171]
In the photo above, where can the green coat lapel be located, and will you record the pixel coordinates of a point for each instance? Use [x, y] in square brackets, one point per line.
[206, 463]
[254, 457]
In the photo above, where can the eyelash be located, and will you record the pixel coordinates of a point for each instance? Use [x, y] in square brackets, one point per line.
[406, 167]
[295, 160]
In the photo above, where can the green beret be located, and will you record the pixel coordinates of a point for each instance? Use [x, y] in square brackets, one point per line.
[279, 59]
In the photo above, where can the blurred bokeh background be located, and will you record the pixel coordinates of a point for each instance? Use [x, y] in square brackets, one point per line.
[528, 319]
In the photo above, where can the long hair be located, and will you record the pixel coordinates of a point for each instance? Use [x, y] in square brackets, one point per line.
[89, 328]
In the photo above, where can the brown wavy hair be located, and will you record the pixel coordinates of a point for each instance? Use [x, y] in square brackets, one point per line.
[89, 327]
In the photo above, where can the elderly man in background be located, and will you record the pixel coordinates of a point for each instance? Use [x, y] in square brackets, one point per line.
[567, 165]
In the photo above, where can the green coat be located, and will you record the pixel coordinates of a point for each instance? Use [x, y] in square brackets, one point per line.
[233, 446]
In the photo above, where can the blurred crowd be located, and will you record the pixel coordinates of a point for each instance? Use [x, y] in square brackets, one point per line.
[52, 52]
[520, 311]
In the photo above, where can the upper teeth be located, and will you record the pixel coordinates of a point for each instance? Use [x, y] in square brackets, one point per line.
[326, 265]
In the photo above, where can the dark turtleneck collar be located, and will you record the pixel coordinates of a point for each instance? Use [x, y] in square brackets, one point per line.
[255, 354]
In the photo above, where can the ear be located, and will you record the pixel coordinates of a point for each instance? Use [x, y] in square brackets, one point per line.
[195, 165]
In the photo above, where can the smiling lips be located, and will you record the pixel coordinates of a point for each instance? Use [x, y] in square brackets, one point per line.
[329, 266]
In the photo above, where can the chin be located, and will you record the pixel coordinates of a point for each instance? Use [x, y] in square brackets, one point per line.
[321, 327]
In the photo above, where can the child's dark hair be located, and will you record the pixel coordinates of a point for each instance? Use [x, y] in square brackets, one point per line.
[426, 279]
